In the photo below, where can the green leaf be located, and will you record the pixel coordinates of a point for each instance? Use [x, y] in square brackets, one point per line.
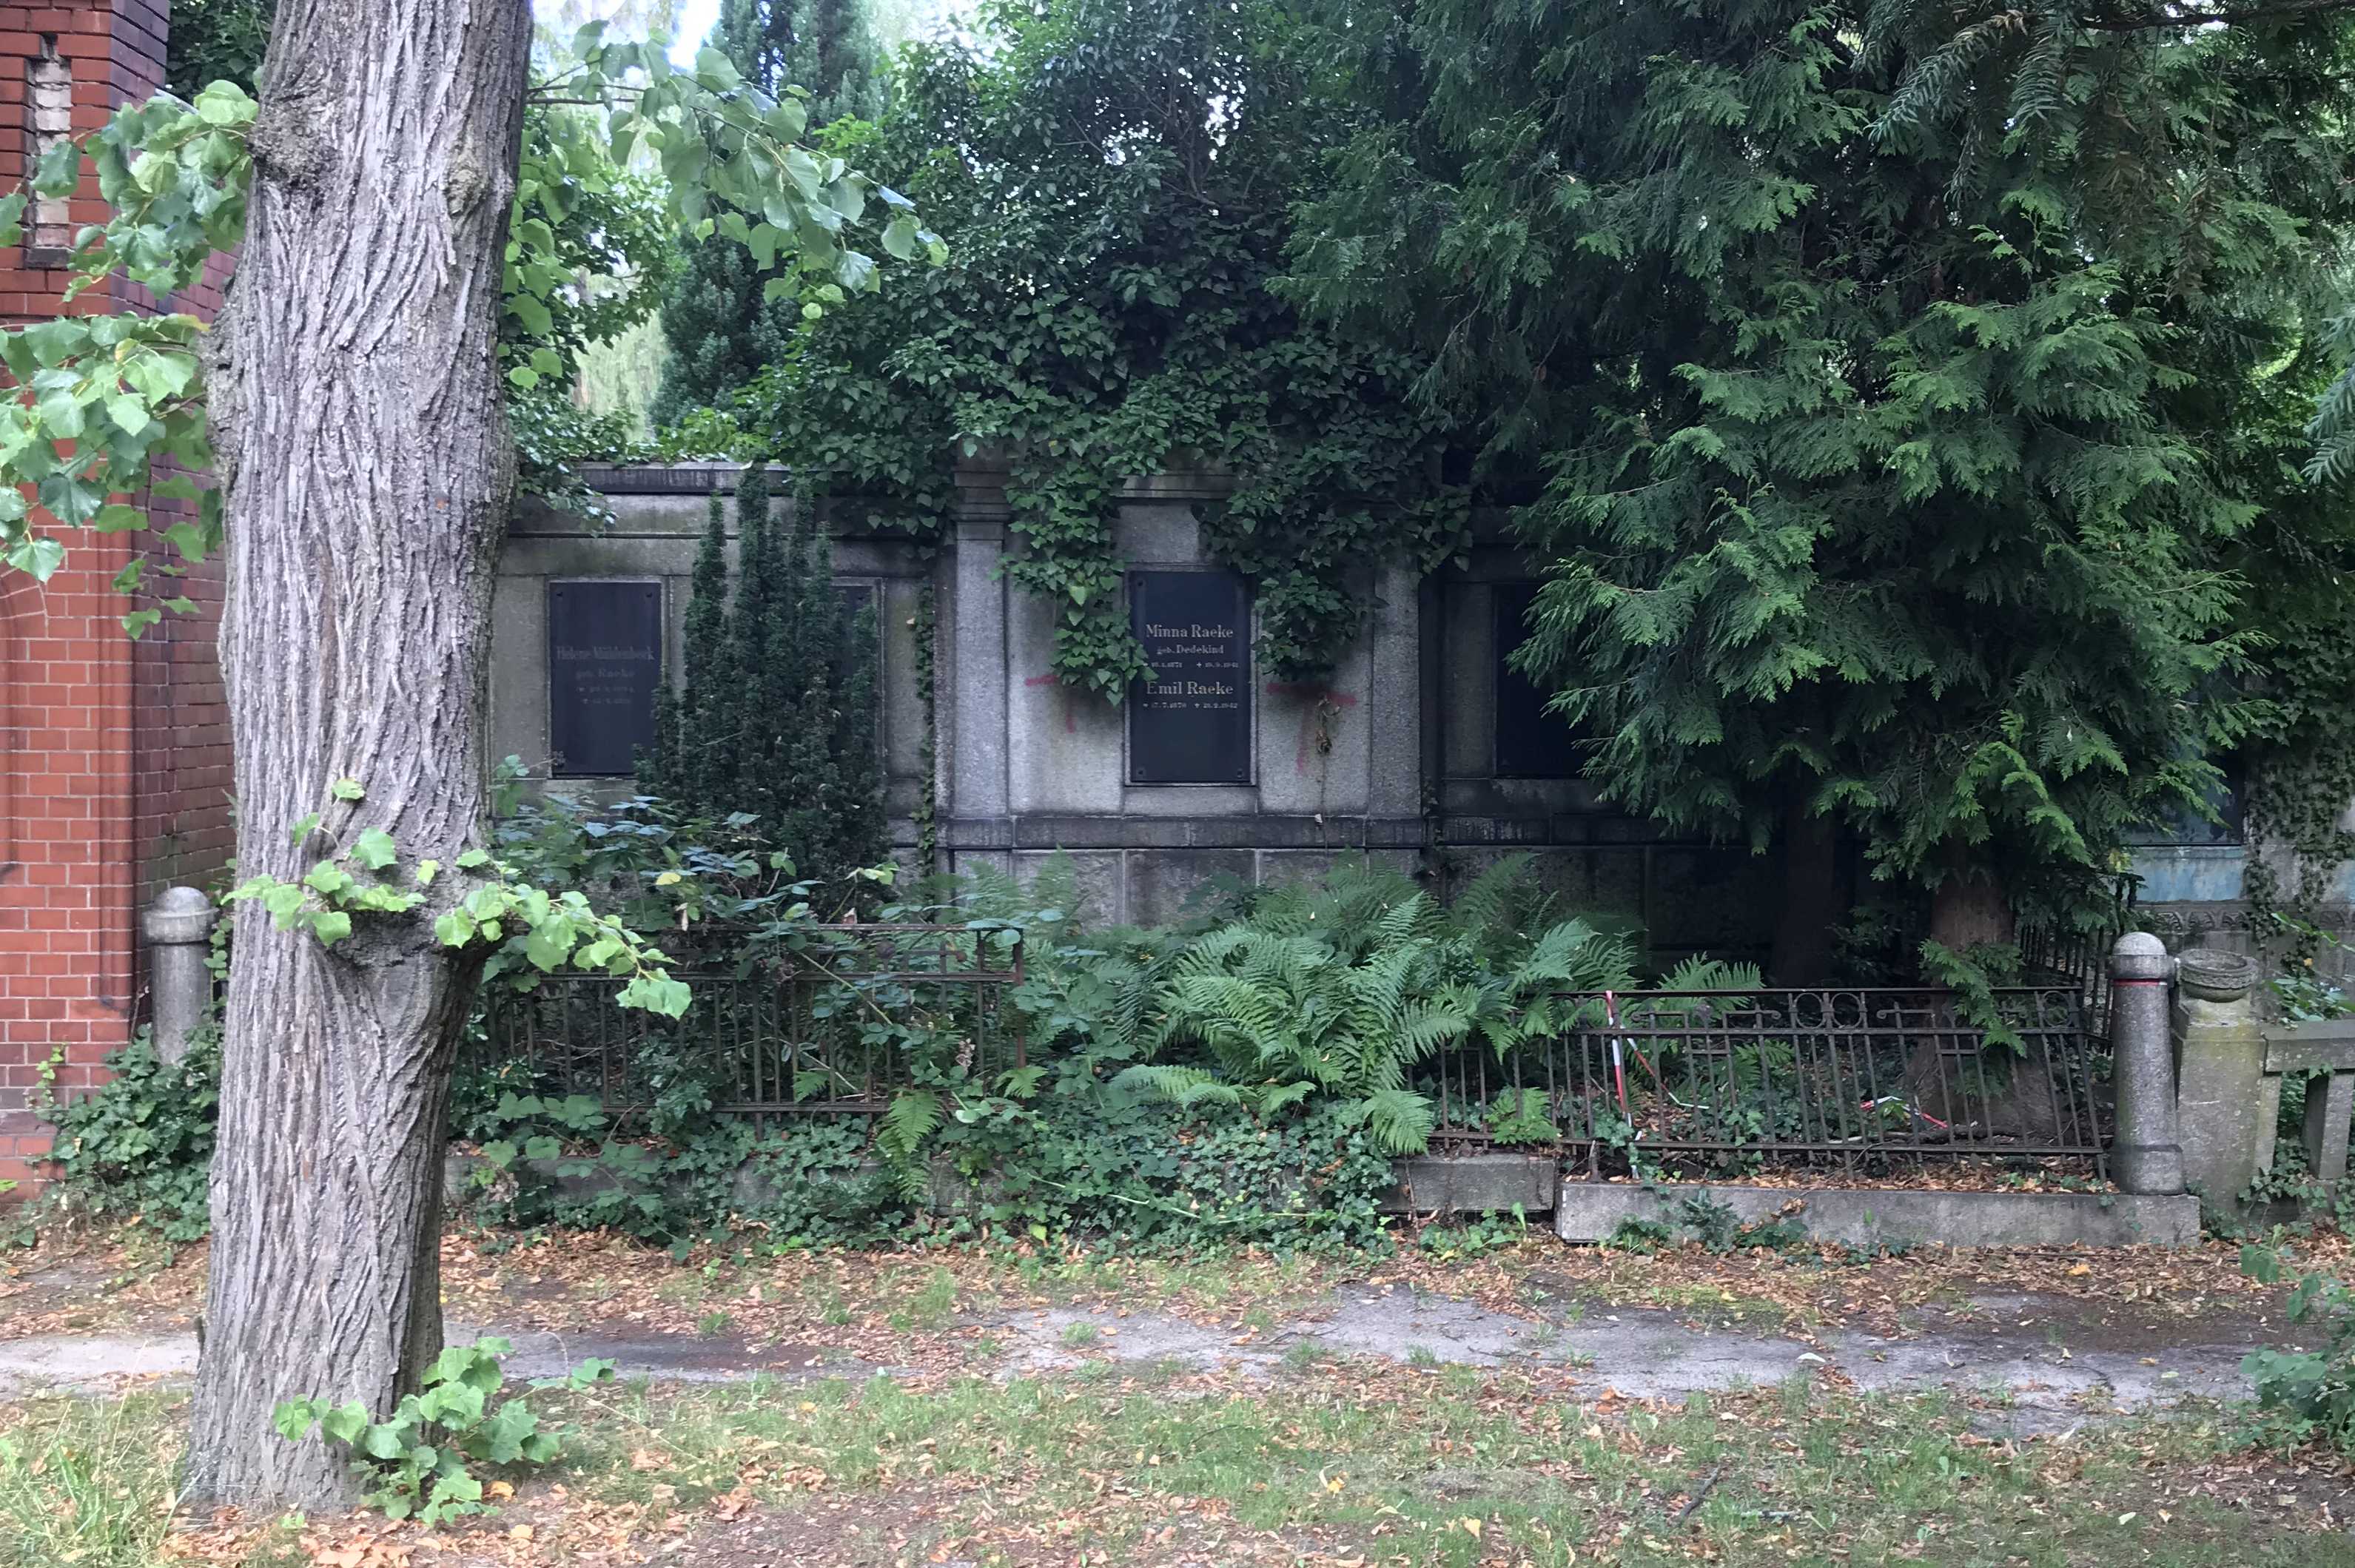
[328, 878]
[374, 848]
[715, 72]
[128, 413]
[346, 1422]
[657, 994]
[534, 316]
[293, 1418]
[346, 789]
[331, 926]
[36, 554]
[223, 102]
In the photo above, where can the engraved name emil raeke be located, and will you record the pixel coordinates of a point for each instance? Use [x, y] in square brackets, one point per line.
[1191, 723]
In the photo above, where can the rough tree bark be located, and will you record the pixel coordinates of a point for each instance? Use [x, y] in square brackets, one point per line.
[1971, 907]
[361, 434]
[1813, 898]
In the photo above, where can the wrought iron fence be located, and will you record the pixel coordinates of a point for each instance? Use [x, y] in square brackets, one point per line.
[826, 1025]
[2050, 954]
[1864, 1079]
[1861, 1079]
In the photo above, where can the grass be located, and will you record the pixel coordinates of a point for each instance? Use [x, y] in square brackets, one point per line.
[1453, 1471]
[89, 1483]
[1467, 1468]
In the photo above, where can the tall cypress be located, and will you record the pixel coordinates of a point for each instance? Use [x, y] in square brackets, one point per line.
[673, 768]
[776, 717]
[720, 328]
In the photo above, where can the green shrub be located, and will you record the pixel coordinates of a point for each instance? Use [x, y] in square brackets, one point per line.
[141, 1142]
[419, 1459]
[2314, 1391]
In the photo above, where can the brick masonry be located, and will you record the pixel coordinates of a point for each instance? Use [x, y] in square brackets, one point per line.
[115, 770]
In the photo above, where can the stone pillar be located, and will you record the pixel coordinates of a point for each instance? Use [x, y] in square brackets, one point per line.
[970, 701]
[2329, 1108]
[2144, 1156]
[2223, 1111]
[178, 927]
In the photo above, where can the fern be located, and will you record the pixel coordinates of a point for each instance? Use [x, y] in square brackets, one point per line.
[910, 1118]
[1399, 1122]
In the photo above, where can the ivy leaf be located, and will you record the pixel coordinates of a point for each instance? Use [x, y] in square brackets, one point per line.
[373, 849]
[331, 926]
[348, 789]
[346, 1422]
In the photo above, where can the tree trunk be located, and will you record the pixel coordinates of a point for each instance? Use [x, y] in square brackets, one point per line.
[1969, 908]
[1813, 899]
[361, 434]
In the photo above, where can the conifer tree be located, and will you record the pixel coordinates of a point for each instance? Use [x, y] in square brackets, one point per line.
[720, 328]
[1886, 366]
[775, 716]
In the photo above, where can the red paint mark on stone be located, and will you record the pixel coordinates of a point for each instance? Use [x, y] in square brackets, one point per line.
[1318, 697]
[1071, 719]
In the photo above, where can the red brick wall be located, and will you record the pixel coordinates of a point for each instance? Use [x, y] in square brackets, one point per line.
[113, 753]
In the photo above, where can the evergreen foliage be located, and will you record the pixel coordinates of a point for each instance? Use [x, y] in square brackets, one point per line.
[1890, 371]
[1116, 179]
[775, 720]
[721, 325]
[215, 40]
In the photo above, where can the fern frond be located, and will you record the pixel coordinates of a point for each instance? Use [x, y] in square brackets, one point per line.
[1399, 1121]
[910, 1118]
[1181, 1086]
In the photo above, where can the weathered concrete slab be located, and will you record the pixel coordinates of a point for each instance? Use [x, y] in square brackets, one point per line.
[1473, 1184]
[1874, 1217]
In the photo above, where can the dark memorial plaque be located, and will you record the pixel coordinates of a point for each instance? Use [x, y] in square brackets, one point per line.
[604, 665]
[1531, 743]
[1191, 723]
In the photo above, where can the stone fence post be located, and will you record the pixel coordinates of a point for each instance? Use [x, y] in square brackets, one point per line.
[2145, 1154]
[178, 927]
[2225, 1116]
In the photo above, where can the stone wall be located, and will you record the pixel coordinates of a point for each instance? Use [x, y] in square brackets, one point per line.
[1396, 755]
[658, 520]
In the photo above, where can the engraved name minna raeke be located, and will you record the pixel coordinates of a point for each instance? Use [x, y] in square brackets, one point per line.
[1191, 723]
